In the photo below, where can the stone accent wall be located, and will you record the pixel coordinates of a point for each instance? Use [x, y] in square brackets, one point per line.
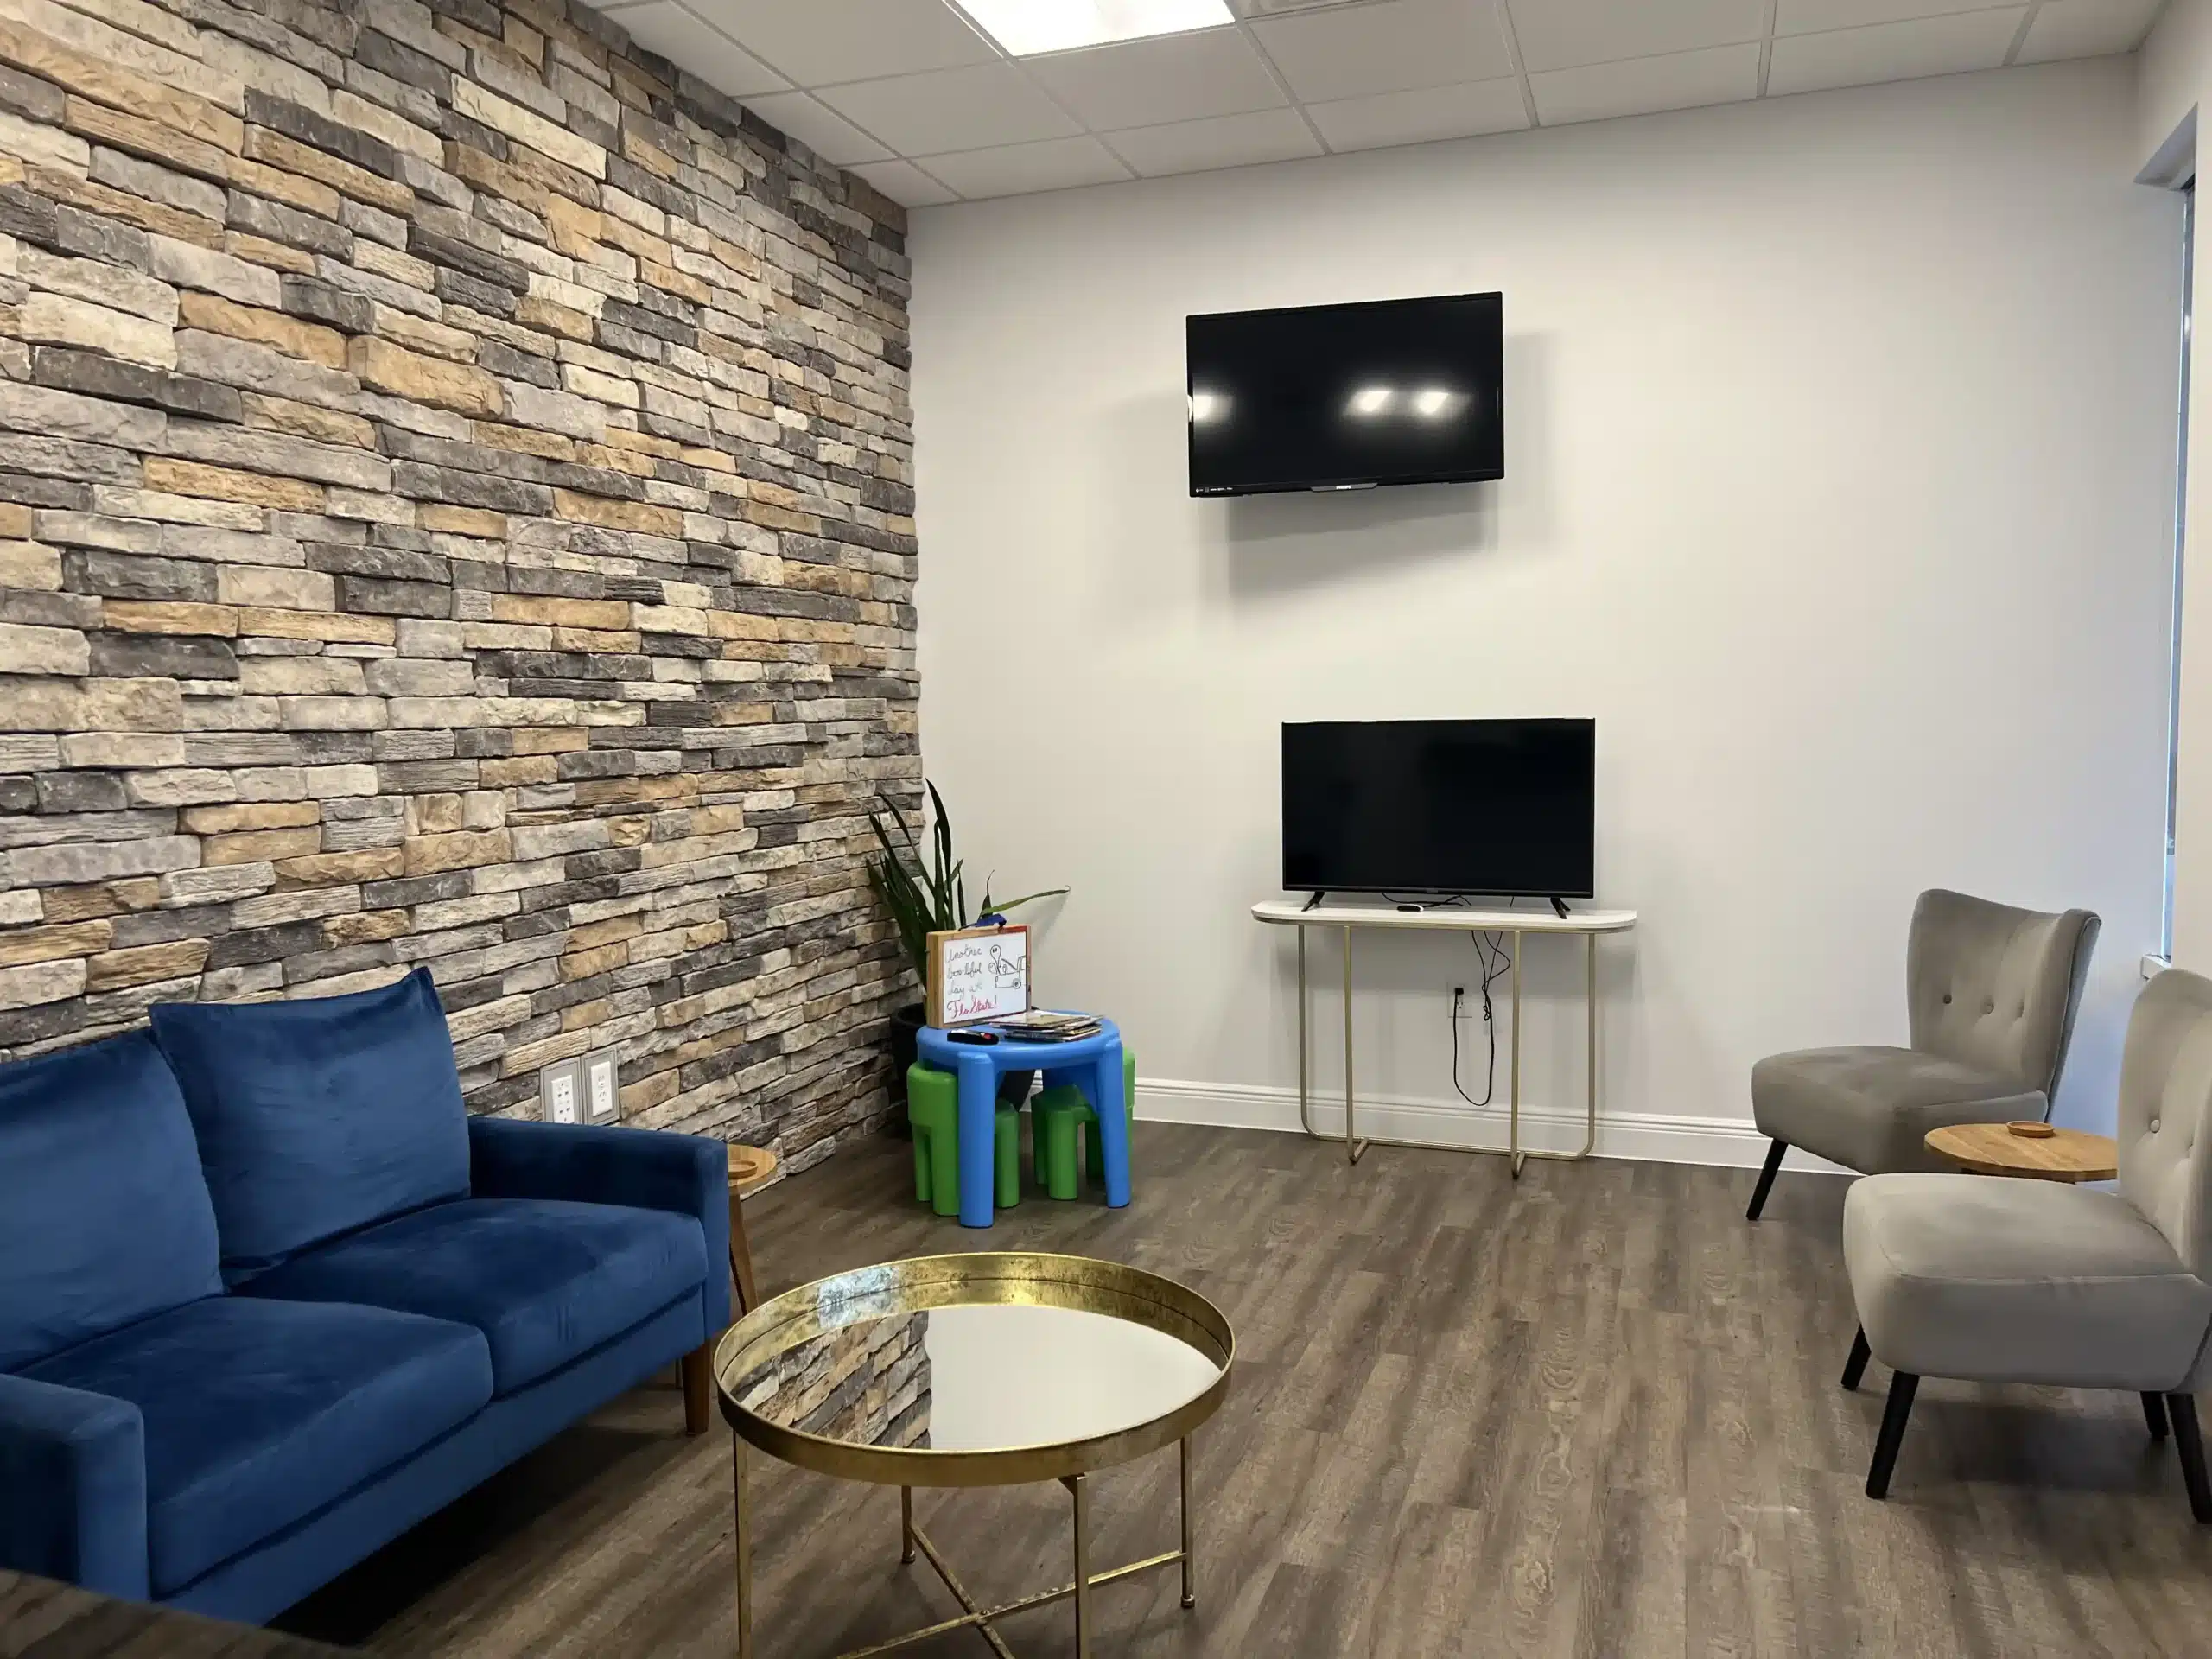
[868, 1382]
[455, 507]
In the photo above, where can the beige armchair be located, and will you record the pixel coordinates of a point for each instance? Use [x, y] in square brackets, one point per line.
[1990, 997]
[2007, 1281]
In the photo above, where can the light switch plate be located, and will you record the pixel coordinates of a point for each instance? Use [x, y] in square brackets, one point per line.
[561, 1091]
[602, 1085]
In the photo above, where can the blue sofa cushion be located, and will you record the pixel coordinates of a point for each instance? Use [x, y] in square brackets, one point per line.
[103, 1216]
[319, 1117]
[258, 1413]
[545, 1280]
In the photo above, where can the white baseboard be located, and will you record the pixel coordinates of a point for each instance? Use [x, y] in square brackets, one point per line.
[1729, 1142]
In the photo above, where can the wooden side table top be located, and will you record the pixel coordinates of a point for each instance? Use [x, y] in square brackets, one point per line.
[751, 1168]
[1993, 1149]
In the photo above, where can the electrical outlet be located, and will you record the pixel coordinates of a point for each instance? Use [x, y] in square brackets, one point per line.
[560, 1091]
[602, 1084]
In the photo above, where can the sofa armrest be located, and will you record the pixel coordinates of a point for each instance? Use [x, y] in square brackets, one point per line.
[589, 1163]
[72, 1487]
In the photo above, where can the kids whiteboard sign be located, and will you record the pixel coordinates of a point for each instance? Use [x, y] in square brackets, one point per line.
[977, 974]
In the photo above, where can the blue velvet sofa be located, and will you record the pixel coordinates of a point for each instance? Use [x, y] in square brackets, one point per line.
[268, 1295]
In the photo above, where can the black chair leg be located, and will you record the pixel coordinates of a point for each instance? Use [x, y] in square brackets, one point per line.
[1766, 1179]
[2154, 1413]
[2181, 1408]
[1855, 1367]
[1901, 1387]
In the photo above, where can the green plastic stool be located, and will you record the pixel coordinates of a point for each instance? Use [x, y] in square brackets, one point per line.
[1055, 1116]
[933, 1107]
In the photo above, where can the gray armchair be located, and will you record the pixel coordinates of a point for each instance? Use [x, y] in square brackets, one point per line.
[2007, 1281]
[1990, 996]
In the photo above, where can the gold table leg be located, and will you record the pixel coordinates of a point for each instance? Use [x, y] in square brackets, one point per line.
[1079, 1487]
[905, 1526]
[744, 1552]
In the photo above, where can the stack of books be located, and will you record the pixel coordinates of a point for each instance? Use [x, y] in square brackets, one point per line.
[1049, 1026]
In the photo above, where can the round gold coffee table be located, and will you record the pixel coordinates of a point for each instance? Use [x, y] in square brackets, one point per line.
[995, 1368]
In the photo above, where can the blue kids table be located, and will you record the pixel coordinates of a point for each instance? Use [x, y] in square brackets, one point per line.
[1092, 1063]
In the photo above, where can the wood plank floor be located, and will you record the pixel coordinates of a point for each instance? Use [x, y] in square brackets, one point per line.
[1592, 1413]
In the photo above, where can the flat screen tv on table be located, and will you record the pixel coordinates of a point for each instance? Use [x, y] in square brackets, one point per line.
[1503, 807]
[1346, 397]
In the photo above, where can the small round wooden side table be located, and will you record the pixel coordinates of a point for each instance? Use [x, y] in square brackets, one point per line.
[751, 1168]
[2070, 1155]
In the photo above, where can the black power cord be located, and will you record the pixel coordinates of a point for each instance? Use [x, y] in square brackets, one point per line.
[1490, 949]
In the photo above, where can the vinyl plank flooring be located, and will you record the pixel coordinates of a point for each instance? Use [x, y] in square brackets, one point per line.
[1591, 1412]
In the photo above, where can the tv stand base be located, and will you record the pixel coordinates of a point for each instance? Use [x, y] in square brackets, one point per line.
[1559, 904]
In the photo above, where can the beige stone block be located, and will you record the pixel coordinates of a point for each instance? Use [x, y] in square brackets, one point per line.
[372, 507]
[538, 311]
[58, 320]
[546, 136]
[128, 51]
[366, 927]
[97, 77]
[395, 130]
[617, 641]
[433, 814]
[168, 616]
[256, 586]
[79, 863]
[306, 420]
[146, 964]
[461, 521]
[113, 286]
[184, 265]
[584, 965]
[427, 854]
[520, 772]
[262, 251]
[163, 145]
[47, 146]
[54, 944]
[84, 706]
[110, 203]
[326, 870]
[311, 624]
[180, 786]
[560, 612]
[29, 649]
[104, 898]
[220, 884]
[421, 334]
[217, 315]
[250, 815]
[53, 982]
[176, 509]
[114, 750]
[524, 441]
[260, 846]
[301, 676]
[484, 808]
[425, 379]
[226, 484]
[287, 155]
[333, 713]
[308, 904]
[21, 908]
[341, 782]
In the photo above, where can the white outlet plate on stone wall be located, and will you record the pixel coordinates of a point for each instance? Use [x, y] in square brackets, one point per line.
[561, 1091]
[602, 1085]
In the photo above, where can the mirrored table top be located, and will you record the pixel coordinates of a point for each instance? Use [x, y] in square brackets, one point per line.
[992, 1354]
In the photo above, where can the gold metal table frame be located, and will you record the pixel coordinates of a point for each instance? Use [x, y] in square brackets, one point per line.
[1349, 918]
[1011, 1278]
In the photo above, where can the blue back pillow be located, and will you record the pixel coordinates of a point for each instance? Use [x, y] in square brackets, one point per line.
[103, 1216]
[319, 1117]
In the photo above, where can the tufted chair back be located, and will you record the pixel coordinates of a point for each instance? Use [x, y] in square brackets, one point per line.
[2165, 1113]
[1996, 988]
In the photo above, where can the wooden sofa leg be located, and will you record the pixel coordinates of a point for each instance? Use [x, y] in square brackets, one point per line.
[1903, 1386]
[2182, 1408]
[698, 1389]
[1766, 1179]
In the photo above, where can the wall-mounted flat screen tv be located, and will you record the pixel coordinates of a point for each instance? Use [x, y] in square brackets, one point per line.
[1439, 806]
[1346, 397]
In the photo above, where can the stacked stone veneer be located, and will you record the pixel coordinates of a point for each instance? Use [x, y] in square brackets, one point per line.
[869, 1383]
[454, 495]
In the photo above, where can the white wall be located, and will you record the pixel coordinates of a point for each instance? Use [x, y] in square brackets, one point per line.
[1840, 466]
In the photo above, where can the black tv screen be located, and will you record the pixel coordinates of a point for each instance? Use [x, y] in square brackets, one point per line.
[1343, 397]
[1430, 806]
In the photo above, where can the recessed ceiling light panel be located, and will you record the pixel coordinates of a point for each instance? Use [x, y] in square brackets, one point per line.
[1025, 28]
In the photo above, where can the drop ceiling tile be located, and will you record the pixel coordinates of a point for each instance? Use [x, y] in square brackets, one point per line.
[1017, 169]
[905, 183]
[1386, 48]
[1222, 140]
[1680, 81]
[1816, 16]
[817, 42]
[2086, 28]
[1927, 46]
[1569, 33]
[822, 130]
[953, 109]
[682, 39]
[1421, 116]
[1170, 78]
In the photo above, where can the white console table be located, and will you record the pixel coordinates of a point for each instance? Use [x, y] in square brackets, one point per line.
[1349, 919]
